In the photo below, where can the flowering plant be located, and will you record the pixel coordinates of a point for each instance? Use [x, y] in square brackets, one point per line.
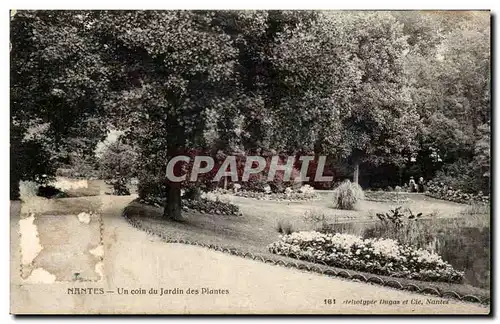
[379, 256]
[440, 190]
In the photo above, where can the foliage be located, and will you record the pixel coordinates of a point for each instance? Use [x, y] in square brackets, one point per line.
[379, 256]
[284, 226]
[371, 89]
[211, 206]
[286, 196]
[381, 103]
[202, 205]
[440, 190]
[48, 191]
[449, 73]
[150, 186]
[397, 218]
[346, 195]
[56, 77]
[117, 164]
[386, 196]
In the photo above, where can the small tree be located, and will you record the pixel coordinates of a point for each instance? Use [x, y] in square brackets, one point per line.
[117, 164]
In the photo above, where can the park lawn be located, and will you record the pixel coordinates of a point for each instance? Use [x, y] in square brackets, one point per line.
[257, 228]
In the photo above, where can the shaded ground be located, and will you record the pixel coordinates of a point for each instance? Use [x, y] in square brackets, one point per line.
[136, 260]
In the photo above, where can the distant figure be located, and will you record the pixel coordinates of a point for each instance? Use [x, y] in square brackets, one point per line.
[412, 184]
[421, 184]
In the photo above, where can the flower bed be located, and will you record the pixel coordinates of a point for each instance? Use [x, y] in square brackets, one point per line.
[378, 256]
[201, 205]
[304, 193]
[276, 196]
[382, 196]
[442, 191]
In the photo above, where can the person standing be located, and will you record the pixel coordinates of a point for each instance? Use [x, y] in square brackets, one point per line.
[412, 184]
[421, 184]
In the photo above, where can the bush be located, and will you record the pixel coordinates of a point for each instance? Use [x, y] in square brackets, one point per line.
[201, 205]
[151, 186]
[284, 227]
[458, 175]
[440, 190]
[347, 194]
[378, 256]
[211, 207]
[386, 196]
[119, 187]
[285, 196]
[48, 191]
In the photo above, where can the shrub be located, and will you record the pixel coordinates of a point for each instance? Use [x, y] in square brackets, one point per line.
[379, 256]
[201, 205]
[396, 217]
[211, 207]
[440, 190]
[283, 226]
[385, 196]
[463, 175]
[49, 191]
[347, 194]
[285, 196]
[150, 186]
[307, 190]
[119, 187]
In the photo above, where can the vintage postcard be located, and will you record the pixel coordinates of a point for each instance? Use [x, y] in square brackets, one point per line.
[250, 162]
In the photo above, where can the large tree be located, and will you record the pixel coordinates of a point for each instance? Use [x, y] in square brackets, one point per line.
[380, 122]
[56, 79]
[174, 75]
[449, 74]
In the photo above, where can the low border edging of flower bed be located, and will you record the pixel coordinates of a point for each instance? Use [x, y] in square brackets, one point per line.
[317, 269]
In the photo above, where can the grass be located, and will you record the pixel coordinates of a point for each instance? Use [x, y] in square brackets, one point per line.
[261, 223]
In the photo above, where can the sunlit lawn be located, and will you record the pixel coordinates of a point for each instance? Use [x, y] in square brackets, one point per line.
[257, 228]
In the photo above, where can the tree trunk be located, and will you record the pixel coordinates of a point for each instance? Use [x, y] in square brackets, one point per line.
[356, 171]
[172, 209]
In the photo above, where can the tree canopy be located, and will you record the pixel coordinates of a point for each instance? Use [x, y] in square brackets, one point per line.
[367, 88]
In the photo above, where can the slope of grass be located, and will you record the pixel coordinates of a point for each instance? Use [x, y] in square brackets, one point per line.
[252, 232]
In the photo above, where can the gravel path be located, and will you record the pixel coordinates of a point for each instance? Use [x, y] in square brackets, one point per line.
[225, 283]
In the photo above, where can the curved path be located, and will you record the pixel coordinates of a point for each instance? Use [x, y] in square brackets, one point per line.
[133, 260]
